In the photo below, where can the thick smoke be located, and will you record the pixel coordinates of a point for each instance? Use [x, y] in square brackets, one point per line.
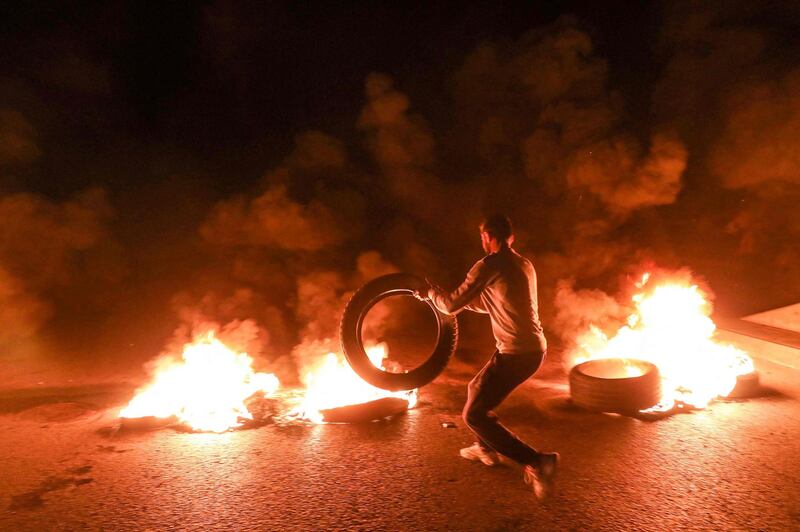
[324, 226]
[23, 312]
[274, 220]
[424, 205]
[695, 165]
[730, 87]
[626, 179]
[549, 101]
[548, 130]
[759, 143]
[757, 156]
[579, 309]
[44, 249]
[54, 254]
[293, 248]
[18, 139]
[558, 139]
[732, 97]
[398, 140]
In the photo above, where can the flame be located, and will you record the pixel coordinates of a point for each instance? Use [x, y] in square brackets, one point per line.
[206, 390]
[671, 327]
[333, 383]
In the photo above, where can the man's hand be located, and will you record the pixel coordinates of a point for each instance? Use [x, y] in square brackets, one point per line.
[425, 295]
[433, 289]
[422, 296]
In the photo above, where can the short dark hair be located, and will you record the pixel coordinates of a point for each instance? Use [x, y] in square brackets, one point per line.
[498, 226]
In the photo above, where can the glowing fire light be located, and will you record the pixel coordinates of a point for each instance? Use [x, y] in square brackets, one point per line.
[672, 329]
[334, 383]
[206, 390]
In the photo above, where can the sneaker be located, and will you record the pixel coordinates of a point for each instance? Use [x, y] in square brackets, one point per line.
[476, 452]
[542, 476]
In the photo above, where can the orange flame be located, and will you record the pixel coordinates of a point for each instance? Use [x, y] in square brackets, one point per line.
[333, 383]
[206, 390]
[672, 329]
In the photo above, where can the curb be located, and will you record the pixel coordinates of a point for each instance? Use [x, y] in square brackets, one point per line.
[776, 345]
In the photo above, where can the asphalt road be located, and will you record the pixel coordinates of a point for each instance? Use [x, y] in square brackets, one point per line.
[733, 466]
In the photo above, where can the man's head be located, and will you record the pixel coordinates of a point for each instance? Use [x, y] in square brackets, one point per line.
[496, 230]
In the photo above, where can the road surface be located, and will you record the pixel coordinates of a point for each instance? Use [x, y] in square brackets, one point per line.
[733, 466]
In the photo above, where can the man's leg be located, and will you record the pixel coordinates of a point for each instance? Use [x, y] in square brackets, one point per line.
[487, 390]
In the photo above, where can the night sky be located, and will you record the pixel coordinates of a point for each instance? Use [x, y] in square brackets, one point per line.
[167, 167]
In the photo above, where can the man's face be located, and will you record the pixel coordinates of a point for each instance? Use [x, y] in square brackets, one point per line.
[485, 242]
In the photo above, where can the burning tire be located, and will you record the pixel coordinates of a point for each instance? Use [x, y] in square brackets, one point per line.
[618, 385]
[350, 334]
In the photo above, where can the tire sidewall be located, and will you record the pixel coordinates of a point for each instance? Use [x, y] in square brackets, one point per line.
[350, 334]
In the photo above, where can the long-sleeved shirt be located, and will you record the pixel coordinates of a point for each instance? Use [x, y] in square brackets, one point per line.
[503, 285]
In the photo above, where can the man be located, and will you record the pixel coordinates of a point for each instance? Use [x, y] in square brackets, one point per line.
[502, 285]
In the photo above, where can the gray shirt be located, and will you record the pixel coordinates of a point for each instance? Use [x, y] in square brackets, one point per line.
[503, 285]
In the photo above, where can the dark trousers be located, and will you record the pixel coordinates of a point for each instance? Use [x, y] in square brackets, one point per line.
[487, 390]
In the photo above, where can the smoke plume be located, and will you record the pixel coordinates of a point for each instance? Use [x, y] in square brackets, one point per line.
[45, 247]
[132, 209]
[18, 139]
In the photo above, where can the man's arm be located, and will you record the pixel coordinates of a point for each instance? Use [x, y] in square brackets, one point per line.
[476, 305]
[465, 295]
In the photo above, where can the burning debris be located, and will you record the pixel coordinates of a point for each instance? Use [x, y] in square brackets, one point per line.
[672, 329]
[333, 384]
[369, 411]
[211, 389]
[206, 390]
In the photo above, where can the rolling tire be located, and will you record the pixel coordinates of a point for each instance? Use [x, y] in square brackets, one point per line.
[625, 395]
[350, 334]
